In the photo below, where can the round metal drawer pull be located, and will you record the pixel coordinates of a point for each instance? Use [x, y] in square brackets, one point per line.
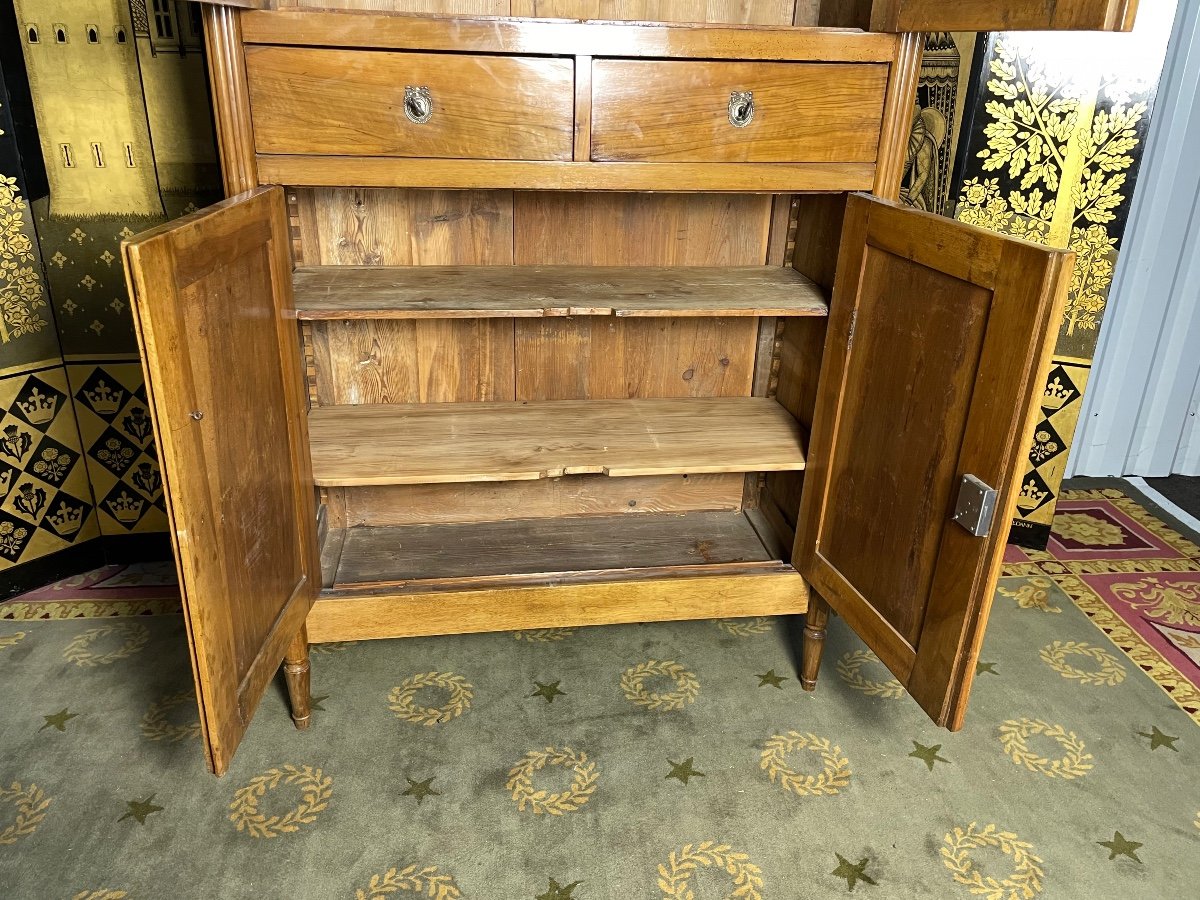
[418, 104]
[741, 108]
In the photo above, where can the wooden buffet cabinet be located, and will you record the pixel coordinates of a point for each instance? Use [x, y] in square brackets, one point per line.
[520, 321]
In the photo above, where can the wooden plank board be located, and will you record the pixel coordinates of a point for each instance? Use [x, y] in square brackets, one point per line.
[353, 616]
[552, 547]
[453, 442]
[559, 175]
[614, 359]
[449, 292]
[573, 495]
[310, 27]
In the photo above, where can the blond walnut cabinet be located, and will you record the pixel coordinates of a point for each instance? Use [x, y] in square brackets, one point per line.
[530, 322]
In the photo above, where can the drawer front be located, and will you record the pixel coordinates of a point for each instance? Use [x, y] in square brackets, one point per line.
[682, 111]
[375, 103]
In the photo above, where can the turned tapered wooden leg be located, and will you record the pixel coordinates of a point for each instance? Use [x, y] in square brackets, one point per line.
[814, 640]
[295, 672]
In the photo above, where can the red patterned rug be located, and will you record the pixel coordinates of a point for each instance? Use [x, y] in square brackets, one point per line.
[135, 589]
[1136, 578]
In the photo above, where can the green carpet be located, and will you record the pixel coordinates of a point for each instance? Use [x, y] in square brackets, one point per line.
[646, 761]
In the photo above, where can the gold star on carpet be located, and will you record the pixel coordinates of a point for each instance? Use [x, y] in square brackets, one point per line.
[927, 755]
[58, 720]
[420, 789]
[139, 809]
[683, 771]
[558, 891]
[315, 702]
[990, 668]
[769, 677]
[852, 873]
[549, 691]
[1157, 738]
[1119, 846]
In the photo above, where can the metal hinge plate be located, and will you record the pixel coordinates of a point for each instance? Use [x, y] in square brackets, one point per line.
[976, 506]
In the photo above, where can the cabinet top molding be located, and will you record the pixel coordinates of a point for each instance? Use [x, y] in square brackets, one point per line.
[561, 37]
[908, 15]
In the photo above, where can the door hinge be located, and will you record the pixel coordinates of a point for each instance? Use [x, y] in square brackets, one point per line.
[976, 506]
[853, 322]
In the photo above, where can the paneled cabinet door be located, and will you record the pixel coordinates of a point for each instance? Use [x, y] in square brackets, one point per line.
[212, 300]
[939, 336]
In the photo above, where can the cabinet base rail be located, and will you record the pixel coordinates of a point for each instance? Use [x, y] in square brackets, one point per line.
[345, 616]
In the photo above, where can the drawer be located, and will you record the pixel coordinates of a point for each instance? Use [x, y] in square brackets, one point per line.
[377, 103]
[683, 111]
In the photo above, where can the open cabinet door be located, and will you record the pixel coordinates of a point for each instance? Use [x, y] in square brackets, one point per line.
[212, 299]
[939, 337]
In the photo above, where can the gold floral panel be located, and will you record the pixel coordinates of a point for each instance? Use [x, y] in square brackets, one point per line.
[1055, 141]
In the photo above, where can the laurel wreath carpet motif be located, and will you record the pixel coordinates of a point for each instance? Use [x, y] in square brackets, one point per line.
[424, 881]
[156, 725]
[1025, 880]
[833, 777]
[401, 699]
[745, 627]
[675, 875]
[31, 804]
[538, 801]
[100, 894]
[1014, 735]
[1055, 655]
[849, 667]
[633, 685]
[315, 790]
[79, 650]
[543, 635]
[332, 647]
[11, 640]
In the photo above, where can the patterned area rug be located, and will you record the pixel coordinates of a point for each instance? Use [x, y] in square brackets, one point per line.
[647, 761]
[1136, 578]
[133, 589]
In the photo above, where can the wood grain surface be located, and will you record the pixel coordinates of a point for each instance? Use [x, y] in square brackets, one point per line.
[678, 111]
[937, 331]
[458, 34]
[375, 292]
[571, 495]
[209, 289]
[363, 615]
[377, 556]
[323, 101]
[438, 443]
[457, 174]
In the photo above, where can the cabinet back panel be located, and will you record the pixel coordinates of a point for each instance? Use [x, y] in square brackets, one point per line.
[601, 358]
[398, 227]
[413, 360]
[581, 358]
[573, 495]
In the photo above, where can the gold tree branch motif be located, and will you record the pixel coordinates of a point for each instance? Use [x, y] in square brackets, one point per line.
[1034, 121]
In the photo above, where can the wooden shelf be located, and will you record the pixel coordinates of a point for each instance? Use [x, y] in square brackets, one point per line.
[533, 551]
[438, 443]
[448, 292]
